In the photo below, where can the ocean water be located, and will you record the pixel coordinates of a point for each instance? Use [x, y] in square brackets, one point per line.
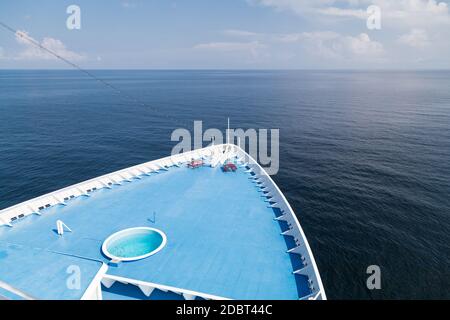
[364, 156]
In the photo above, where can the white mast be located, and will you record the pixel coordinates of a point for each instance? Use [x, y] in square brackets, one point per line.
[228, 131]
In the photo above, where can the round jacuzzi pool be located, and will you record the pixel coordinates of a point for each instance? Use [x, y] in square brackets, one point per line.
[134, 244]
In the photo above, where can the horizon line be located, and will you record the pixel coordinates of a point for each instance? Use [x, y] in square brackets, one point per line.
[225, 69]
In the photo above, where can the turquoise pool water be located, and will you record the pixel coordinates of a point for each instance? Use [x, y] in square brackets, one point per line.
[134, 244]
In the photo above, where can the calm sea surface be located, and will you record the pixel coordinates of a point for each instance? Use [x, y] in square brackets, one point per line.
[364, 156]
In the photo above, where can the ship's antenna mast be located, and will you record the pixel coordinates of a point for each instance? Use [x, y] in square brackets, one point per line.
[228, 131]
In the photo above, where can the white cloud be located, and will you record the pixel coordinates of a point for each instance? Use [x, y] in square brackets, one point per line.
[324, 44]
[423, 24]
[362, 45]
[339, 12]
[32, 51]
[297, 37]
[330, 43]
[334, 45]
[404, 12]
[251, 49]
[2, 55]
[417, 38]
[128, 4]
[240, 33]
[414, 13]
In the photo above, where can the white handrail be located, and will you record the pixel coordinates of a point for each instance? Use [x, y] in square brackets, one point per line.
[147, 287]
[16, 291]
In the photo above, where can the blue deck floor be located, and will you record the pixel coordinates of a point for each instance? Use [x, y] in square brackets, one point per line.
[43, 274]
[221, 236]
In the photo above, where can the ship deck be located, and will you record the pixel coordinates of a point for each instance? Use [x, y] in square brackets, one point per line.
[222, 239]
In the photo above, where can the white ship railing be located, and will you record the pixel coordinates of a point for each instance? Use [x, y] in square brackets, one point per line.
[148, 287]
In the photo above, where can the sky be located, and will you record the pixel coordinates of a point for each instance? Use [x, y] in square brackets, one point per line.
[228, 34]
